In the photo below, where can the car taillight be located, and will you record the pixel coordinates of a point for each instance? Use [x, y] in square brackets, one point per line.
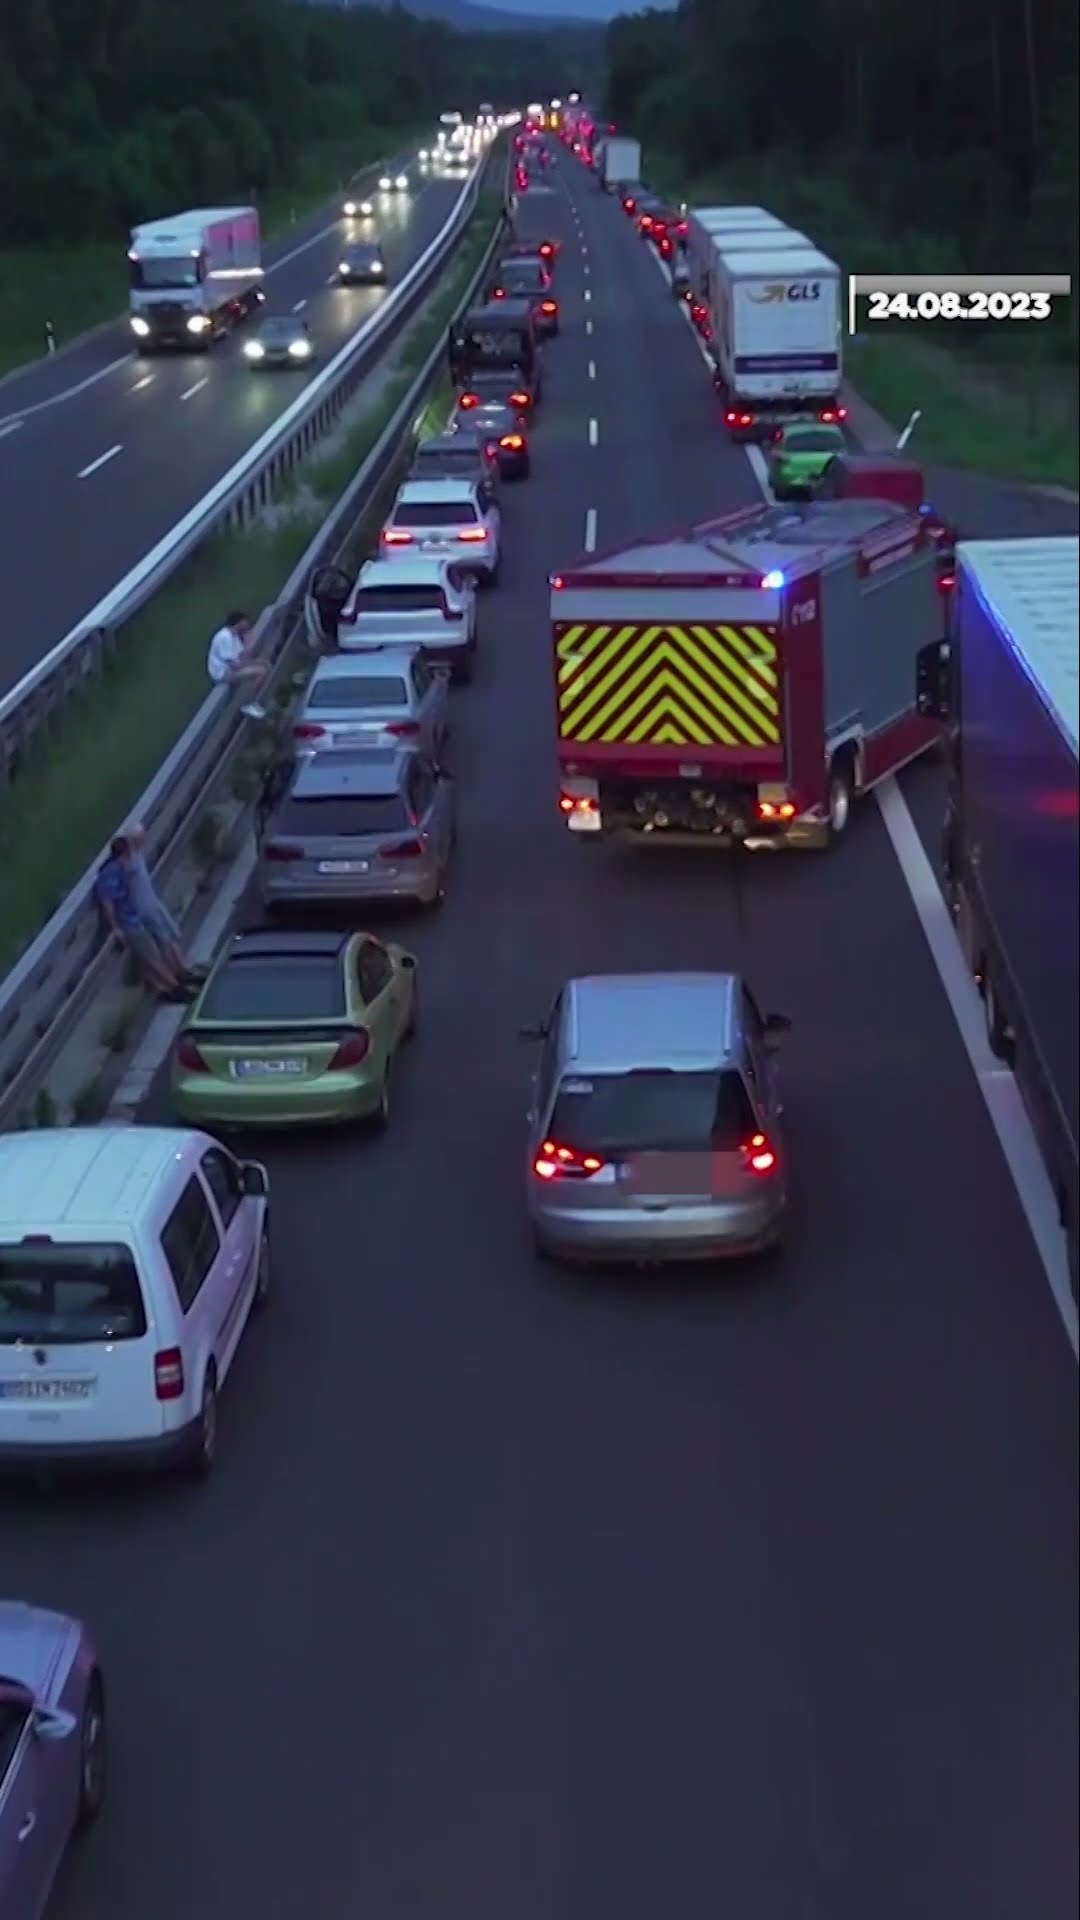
[352, 1052]
[629, 206]
[280, 850]
[169, 1373]
[832, 416]
[554, 1163]
[549, 306]
[682, 227]
[472, 536]
[775, 810]
[402, 850]
[188, 1056]
[946, 582]
[396, 537]
[644, 223]
[403, 729]
[520, 400]
[512, 443]
[498, 293]
[760, 1158]
[547, 251]
[468, 400]
[304, 730]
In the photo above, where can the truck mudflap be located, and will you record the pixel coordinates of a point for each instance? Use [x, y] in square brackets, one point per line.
[630, 687]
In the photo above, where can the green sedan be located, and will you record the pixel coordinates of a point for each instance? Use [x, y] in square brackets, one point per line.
[295, 1027]
[799, 455]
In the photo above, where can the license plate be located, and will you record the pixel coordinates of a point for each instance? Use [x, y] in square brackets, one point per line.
[267, 1069]
[343, 866]
[435, 546]
[46, 1389]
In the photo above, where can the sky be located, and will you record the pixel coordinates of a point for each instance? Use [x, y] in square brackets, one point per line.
[579, 9]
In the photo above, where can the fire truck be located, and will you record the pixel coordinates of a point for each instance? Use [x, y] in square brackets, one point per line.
[741, 684]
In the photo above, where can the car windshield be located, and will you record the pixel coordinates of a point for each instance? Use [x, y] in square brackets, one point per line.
[403, 599]
[66, 1295]
[337, 816]
[276, 330]
[434, 513]
[363, 256]
[812, 440]
[272, 986]
[523, 276]
[652, 1111]
[356, 690]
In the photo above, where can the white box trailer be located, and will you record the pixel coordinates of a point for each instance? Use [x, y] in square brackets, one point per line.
[778, 335]
[703, 223]
[620, 162]
[194, 275]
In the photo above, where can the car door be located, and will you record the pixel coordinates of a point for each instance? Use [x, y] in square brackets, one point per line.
[429, 691]
[202, 1277]
[383, 995]
[237, 1224]
[29, 1843]
[546, 1070]
[434, 798]
[762, 1069]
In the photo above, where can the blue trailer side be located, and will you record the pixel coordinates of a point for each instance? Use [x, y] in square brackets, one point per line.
[1012, 855]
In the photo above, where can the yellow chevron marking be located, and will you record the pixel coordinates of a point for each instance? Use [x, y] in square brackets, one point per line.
[747, 671]
[700, 684]
[589, 667]
[733, 677]
[669, 693]
[760, 654]
[633, 663]
[627, 693]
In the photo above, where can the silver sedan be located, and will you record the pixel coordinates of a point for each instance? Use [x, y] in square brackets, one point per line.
[52, 1749]
[384, 697]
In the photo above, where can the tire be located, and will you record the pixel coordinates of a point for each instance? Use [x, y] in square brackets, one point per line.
[93, 1754]
[260, 1299]
[380, 1119]
[841, 793]
[203, 1453]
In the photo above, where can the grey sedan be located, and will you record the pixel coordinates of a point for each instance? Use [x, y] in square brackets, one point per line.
[52, 1749]
[362, 265]
[281, 340]
[386, 697]
[374, 825]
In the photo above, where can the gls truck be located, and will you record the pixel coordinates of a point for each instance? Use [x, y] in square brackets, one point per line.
[1006, 685]
[776, 337]
[703, 224]
[193, 276]
[620, 162]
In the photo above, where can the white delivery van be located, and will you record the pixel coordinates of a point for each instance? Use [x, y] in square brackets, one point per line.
[777, 337]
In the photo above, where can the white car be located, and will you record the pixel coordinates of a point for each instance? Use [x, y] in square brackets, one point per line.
[358, 209]
[394, 183]
[445, 520]
[130, 1261]
[425, 603]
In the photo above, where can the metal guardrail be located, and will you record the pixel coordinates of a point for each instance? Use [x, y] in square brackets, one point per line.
[52, 985]
[237, 499]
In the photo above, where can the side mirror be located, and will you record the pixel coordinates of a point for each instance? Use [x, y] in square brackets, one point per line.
[256, 1180]
[537, 1032]
[52, 1723]
[933, 681]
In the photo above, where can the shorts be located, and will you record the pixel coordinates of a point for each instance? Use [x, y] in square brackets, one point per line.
[161, 927]
[142, 945]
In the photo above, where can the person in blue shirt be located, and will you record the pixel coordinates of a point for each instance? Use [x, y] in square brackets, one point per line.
[116, 898]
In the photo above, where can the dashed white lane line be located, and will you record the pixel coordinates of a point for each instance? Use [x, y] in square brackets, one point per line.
[12, 427]
[588, 326]
[190, 392]
[146, 381]
[590, 530]
[592, 369]
[594, 433]
[588, 294]
[101, 461]
[299, 307]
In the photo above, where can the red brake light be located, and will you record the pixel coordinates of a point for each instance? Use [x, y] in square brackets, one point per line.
[280, 850]
[169, 1373]
[468, 400]
[738, 419]
[760, 1157]
[557, 582]
[498, 293]
[403, 850]
[771, 810]
[304, 730]
[520, 400]
[473, 536]
[946, 582]
[629, 206]
[554, 1162]
[549, 306]
[188, 1056]
[403, 729]
[832, 416]
[512, 443]
[547, 251]
[396, 537]
[352, 1052]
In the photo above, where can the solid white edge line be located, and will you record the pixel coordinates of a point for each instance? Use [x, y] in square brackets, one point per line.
[590, 530]
[101, 461]
[11, 427]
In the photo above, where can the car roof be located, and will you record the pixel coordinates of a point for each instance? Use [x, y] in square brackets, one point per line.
[493, 312]
[350, 775]
[618, 1021]
[446, 443]
[419, 572]
[82, 1176]
[293, 320]
[429, 492]
[346, 666]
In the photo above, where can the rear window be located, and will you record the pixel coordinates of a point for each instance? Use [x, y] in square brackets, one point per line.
[652, 1111]
[814, 440]
[448, 460]
[359, 691]
[348, 816]
[403, 599]
[69, 1295]
[523, 275]
[435, 513]
[276, 987]
[503, 347]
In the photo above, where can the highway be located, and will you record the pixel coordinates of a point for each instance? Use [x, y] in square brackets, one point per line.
[522, 1597]
[113, 450]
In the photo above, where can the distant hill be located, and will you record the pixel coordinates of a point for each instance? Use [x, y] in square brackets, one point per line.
[468, 17]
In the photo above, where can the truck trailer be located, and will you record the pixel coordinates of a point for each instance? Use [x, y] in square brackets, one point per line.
[193, 276]
[620, 162]
[776, 327]
[1008, 694]
[739, 685]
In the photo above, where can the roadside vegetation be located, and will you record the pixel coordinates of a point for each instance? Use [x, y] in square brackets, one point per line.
[902, 141]
[107, 744]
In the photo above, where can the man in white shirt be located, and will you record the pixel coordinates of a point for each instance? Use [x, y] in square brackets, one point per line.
[229, 662]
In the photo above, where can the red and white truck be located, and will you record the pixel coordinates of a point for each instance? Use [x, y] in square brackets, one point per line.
[740, 684]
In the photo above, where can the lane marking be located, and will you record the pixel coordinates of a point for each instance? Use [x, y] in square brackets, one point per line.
[588, 295]
[300, 305]
[101, 461]
[588, 326]
[594, 433]
[12, 427]
[197, 388]
[590, 530]
[998, 1087]
[41, 406]
[144, 382]
[592, 369]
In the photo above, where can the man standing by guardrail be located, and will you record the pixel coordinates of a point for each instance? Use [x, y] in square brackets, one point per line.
[230, 662]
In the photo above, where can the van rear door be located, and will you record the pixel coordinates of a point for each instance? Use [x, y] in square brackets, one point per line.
[76, 1344]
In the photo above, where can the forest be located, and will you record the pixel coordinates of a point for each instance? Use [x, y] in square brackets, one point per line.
[114, 110]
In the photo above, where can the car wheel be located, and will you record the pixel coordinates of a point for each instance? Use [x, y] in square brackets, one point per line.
[380, 1119]
[204, 1445]
[841, 787]
[261, 1297]
[93, 1754]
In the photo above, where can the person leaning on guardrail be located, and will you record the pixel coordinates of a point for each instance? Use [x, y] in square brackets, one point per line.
[116, 899]
[151, 908]
[229, 661]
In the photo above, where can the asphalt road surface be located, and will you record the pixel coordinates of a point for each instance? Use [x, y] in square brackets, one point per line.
[164, 429]
[526, 1598]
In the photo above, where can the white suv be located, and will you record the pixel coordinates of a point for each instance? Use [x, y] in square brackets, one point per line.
[445, 520]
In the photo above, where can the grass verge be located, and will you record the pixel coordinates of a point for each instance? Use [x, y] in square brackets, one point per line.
[110, 740]
[78, 288]
[1000, 402]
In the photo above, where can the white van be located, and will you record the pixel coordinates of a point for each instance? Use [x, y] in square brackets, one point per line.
[130, 1260]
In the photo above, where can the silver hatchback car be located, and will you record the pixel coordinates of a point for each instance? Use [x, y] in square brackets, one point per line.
[358, 825]
[654, 1126]
[380, 698]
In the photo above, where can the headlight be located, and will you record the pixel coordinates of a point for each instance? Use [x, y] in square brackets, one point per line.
[401, 182]
[299, 349]
[343, 266]
[139, 327]
[423, 156]
[350, 209]
[377, 266]
[254, 350]
[198, 323]
[384, 183]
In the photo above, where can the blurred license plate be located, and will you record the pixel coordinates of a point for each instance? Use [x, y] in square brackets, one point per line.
[267, 1069]
[435, 546]
[46, 1389]
[343, 866]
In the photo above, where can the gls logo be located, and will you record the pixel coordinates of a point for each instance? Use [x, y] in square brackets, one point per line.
[798, 290]
[804, 614]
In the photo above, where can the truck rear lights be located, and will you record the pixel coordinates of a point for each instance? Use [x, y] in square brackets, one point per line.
[576, 803]
[188, 1058]
[352, 1051]
[565, 1163]
[280, 851]
[733, 419]
[396, 537]
[772, 810]
[169, 1374]
[760, 1157]
[833, 416]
